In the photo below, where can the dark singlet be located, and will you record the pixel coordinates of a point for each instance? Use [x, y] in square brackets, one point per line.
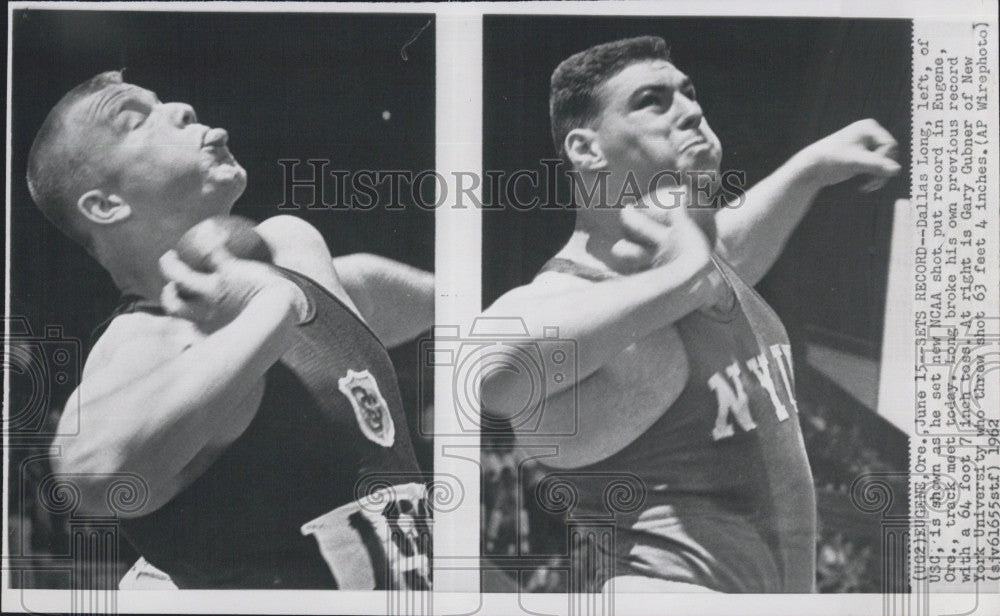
[729, 502]
[322, 490]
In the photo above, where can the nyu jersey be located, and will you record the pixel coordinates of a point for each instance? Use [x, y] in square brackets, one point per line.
[729, 500]
[322, 490]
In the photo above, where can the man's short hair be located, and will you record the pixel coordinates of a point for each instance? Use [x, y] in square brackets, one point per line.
[57, 168]
[573, 95]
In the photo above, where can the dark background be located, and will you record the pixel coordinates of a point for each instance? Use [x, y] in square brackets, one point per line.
[284, 86]
[768, 88]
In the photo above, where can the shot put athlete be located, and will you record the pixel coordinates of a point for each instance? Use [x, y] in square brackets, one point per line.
[684, 374]
[224, 380]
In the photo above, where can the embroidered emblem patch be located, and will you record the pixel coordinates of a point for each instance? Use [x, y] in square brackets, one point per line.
[369, 406]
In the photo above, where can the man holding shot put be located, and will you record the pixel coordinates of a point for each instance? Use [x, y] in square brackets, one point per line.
[684, 375]
[223, 382]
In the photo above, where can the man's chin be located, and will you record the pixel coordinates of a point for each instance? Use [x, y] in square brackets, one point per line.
[227, 182]
[234, 172]
[704, 158]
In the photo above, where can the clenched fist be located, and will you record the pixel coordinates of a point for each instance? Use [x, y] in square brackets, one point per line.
[210, 286]
[669, 240]
[665, 228]
[861, 148]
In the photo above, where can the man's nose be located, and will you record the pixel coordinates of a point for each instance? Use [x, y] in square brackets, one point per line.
[690, 113]
[180, 114]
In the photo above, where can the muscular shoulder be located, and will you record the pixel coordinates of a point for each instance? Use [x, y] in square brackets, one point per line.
[292, 239]
[136, 342]
[297, 245]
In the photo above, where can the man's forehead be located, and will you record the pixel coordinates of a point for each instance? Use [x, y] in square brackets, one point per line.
[643, 73]
[95, 106]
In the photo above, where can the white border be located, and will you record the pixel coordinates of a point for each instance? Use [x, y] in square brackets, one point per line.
[458, 257]
[457, 272]
[905, 9]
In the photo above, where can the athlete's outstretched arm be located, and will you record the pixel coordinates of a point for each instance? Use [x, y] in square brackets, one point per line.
[606, 317]
[151, 399]
[754, 234]
[396, 300]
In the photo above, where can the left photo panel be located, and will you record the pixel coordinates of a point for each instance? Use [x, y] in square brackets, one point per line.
[220, 274]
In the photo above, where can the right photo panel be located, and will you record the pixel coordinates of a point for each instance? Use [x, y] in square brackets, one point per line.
[687, 231]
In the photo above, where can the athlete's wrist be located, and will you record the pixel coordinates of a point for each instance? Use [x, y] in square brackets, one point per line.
[285, 299]
[805, 170]
[715, 291]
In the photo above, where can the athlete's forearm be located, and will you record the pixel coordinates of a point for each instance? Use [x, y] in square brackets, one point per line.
[602, 319]
[753, 235]
[155, 425]
[396, 300]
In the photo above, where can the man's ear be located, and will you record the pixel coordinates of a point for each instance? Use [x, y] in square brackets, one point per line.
[103, 209]
[584, 150]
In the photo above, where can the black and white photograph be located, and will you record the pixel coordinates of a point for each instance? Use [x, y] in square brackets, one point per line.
[692, 239]
[217, 290]
[545, 307]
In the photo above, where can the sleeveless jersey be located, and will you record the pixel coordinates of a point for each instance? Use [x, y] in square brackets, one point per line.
[322, 490]
[729, 502]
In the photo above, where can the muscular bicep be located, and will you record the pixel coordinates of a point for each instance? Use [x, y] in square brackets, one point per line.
[585, 319]
[613, 406]
[133, 346]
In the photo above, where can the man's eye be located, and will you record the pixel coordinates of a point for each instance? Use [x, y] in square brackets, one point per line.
[647, 100]
[691, 94]
[137, 113]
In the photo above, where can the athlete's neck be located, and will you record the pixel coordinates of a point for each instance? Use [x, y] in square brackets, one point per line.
[591, 245]
[135, 270]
